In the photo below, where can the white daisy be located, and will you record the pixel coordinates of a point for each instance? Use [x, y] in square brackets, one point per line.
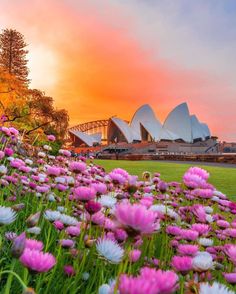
[52, 215]
[28, 161]
[3, 169]
[110, 250]
[208, 209]
[7, 215]
[215, 288]
[202, 261]
[206, 242]
[34, 230]
[41, 154]
[107, 201]
[68, 220]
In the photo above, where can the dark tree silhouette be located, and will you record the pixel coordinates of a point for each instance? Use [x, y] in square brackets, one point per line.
[13, 54]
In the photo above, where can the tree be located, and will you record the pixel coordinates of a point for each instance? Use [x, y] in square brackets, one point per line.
[44, 116]
[13, 54]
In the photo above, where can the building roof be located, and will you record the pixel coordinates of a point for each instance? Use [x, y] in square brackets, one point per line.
[178, 122]
[145, 116]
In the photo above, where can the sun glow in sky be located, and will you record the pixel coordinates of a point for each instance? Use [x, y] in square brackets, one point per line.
[100, 58]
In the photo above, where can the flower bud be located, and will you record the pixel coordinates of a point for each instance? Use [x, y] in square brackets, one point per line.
[18, 245]
[18, 207]
[33, 219]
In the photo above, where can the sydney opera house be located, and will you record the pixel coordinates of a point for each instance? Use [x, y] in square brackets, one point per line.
[179, 126]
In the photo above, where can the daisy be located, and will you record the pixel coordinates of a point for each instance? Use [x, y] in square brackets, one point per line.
[7, 215]
[110, 250]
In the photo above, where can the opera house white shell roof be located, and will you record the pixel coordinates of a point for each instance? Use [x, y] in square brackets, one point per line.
[145, 126]
[146, 117]
[179, 125]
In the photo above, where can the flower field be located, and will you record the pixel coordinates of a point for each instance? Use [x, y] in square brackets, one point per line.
[68, 226]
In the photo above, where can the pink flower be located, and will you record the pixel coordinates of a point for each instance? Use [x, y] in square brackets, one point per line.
[77, 166]
[193, 181]
[100, 188]
[120, 235]
[230, 250]
[93, 207]
[67, 243]
[34, 244]
[134, 255]
[69, 270]
[182, 264]
[135, 217]
[37, 261]
[149, 281]
[53, 171]
[8, 151]
[222, 223]
[84, 193]
[203, 193]
[173, 230]
[187, 249]
[73, 231]
[58, 225]
[200, 213]
[202, 229]
[117, 178]
[189, 234]
[199, 171]
[230, 277]
[51, 138]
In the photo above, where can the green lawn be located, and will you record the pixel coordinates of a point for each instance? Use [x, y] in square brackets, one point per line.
[224, 179]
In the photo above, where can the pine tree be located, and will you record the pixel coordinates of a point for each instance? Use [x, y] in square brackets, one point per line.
[13, 54]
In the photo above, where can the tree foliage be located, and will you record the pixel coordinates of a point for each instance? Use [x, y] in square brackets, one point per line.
[13, 54]
[31, 110]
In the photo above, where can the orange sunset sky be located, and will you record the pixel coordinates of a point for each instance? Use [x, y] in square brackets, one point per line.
[102, 58]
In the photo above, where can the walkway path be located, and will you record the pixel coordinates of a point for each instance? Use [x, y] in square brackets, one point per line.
[227, 165]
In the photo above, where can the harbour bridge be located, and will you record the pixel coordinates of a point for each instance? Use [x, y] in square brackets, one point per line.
[93, 127]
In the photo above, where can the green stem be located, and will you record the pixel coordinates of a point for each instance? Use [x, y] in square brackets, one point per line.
[10, 277]
[11, 273]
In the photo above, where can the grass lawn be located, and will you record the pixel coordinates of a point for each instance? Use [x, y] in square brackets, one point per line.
[224, 179]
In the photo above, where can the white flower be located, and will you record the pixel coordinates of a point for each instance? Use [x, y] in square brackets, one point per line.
[51, 157]
[60, 180]
[68, 220]
[7, 215]
[165, 210]
[209, 218]
[215, 288]
[34, 230]
[215, 198]
[3, 169]
[208, 209]
[41, 154]
[51, 198]
[104, 289]
[110, 250]
[10, 158]
[202, 261]
[205, 242]
[28, 161]
[46, 147]
[107, 288]
[61, 208]
[70, 180]
[52, 215]
[38, 195]
[85, 276]
[107, 201]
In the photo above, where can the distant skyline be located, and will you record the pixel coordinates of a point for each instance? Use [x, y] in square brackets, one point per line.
[100, 58]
